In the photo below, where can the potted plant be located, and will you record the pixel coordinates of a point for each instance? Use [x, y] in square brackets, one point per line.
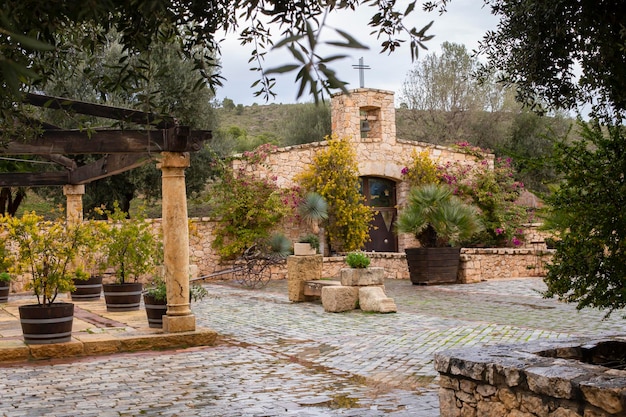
[357, 260]
[88, 281]
[360, 273]
[132, 250]
[46, 251]
[155, 300]
[5, 278]
[307, 245]
[5, 286]
[440, 222]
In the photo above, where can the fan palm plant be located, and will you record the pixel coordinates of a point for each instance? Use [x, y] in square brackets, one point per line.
[437, 218]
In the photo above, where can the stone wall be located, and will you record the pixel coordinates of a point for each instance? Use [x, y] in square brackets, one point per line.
[497, 263]
[476, 264]
[538, 379]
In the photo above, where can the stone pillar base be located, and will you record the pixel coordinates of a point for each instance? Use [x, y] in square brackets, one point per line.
[177, 324]
[299, 270]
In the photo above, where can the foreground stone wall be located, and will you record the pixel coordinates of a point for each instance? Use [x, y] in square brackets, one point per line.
[531, 380]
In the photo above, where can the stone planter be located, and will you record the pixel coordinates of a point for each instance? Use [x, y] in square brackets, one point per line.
[44, 325]
[303, 249]
[433, 265]
[361, 277]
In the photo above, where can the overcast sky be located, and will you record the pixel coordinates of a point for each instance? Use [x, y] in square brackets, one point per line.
[465, 22]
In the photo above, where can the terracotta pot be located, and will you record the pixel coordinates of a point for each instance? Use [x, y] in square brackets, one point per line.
[44, 325]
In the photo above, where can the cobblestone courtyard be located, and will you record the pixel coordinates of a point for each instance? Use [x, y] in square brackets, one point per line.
[276, 358]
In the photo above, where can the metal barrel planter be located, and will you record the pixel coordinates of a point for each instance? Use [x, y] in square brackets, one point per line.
[433, 265]
[4, 292]
[87, 290]
[49, 324]
[155, 310]
[123, 297]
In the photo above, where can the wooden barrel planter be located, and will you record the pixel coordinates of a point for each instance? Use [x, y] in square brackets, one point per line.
[155, 310]
[4, 291]
[123, 297]
[433, 265]
[49, 324]
[87, 290]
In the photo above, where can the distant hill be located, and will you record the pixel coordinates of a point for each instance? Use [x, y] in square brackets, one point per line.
[256, 119]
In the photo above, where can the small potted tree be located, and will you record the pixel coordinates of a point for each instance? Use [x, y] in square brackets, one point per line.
[132, 250]
[155, 300]
[88, 281]
[440, 222]
[46, 251]
[5, 277]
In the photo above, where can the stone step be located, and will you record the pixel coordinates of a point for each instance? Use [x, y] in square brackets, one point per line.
[314, 288]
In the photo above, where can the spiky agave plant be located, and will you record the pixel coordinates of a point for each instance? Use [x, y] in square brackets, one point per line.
[314, 210]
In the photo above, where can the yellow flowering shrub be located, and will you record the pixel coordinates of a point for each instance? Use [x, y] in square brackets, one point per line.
[334, 175]
[421, 170]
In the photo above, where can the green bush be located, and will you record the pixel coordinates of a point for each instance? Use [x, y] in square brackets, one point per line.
[357, 260]
[587, 215]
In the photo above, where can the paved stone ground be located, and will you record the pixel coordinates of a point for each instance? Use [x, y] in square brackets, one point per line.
[277, 358]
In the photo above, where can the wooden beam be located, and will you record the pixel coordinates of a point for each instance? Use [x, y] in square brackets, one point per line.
[33, 179]
[61, 160]
[99, 110]
[66, 142]
[106, 167]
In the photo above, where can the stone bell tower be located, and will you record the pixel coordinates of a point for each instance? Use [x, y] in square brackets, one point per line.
[364, 115]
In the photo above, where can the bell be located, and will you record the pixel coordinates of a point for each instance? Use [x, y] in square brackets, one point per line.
[365, 126]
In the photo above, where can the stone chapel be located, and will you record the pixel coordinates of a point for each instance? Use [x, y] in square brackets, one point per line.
[367, 118]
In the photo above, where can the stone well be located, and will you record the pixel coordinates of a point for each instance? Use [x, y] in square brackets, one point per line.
[567, 378]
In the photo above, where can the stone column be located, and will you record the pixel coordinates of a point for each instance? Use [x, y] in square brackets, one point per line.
[74, 203]
[176, 243]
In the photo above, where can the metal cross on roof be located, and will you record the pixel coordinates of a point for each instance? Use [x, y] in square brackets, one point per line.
[361, 67]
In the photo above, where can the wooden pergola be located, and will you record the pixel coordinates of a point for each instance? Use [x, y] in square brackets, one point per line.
[121, 150]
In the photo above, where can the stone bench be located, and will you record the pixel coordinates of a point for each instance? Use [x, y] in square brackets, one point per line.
[314, 288]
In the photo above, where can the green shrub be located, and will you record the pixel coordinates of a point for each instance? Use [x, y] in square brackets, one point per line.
[357, 260]
[334, 175]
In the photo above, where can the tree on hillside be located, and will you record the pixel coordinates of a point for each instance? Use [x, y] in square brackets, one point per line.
[445, 99]
[307, 123]
[530, 141]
